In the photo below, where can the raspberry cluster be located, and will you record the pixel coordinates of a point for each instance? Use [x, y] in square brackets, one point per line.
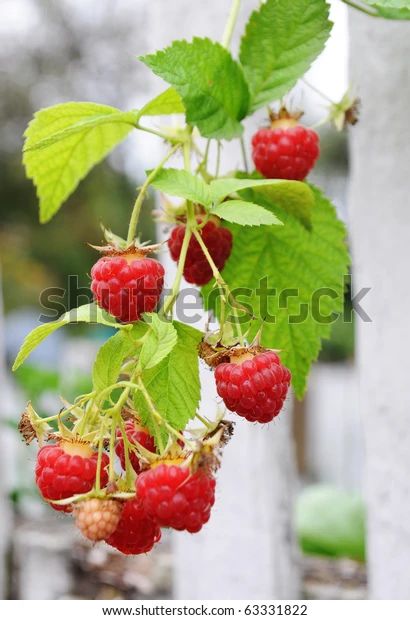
[254, 386]
[218, 241]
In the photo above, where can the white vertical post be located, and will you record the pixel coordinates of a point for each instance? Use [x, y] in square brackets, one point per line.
[5, 512]
[380, 224]
[248, 548]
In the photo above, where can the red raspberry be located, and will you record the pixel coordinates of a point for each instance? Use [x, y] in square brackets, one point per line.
[136, 532]
[127, 285]
[67, 469]
[217, 239]
[97, 518]
[135, 433]
[285, 152]
[175, 497]
[255, 387]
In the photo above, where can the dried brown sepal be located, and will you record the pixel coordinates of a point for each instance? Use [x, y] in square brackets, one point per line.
[218, 354]
[283, 114]
[31, 426]
[132, 251]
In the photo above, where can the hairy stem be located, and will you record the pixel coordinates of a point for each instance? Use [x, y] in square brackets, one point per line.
[181, 263]
[230, 24]
[140, 198]
[154, 416]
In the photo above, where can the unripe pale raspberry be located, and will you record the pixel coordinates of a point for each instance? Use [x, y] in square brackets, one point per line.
[66, 469]
[285, 152]
[135, 434]
[175, 497]
[136, 532]
[96, 518]
[127, 284]
[254, 386]
[218, 241]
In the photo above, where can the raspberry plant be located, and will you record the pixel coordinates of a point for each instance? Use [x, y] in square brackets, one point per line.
[123, 457]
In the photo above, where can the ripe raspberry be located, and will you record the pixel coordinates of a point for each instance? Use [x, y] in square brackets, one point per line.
[128, 284]
[287, 151]
[254, 386]
[135, 433]
[66, 469]
[175, 497]
[136, 531]
[96, 518]
[217, 239]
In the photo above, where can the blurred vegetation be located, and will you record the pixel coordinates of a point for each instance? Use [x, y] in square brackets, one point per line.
[331, 522]
[34, 256]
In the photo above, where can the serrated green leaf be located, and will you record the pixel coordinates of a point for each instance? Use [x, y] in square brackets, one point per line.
[211, 84]
[64, 142]
[158, 343]
[168, 102]
[296, 199]
[245, 213]
[88, 313]
[110, 358]
[281, 41]
[183, 184]
[291, 259]
[391, 9]
[173, 384]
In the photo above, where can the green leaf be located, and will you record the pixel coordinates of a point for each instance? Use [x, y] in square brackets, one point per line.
[158, 343]
[290, 258]
[281, 41]
[211, 84]
[89, 313]
[183, 184]
[391, 9]
[64, 142]
[168, 102]
[110, 358]
[245, 213]
[294, 197]
[173, 384]
[331, 522]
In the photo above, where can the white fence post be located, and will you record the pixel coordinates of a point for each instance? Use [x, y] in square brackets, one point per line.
[5, 434]
[248, 548]
[380, 223]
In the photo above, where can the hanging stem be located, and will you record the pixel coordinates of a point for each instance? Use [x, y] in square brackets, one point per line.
[317, 91]
[181, 264]
[140, 198]
[244, 157]
[154, 416]
[230, 24]
[361, 8]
